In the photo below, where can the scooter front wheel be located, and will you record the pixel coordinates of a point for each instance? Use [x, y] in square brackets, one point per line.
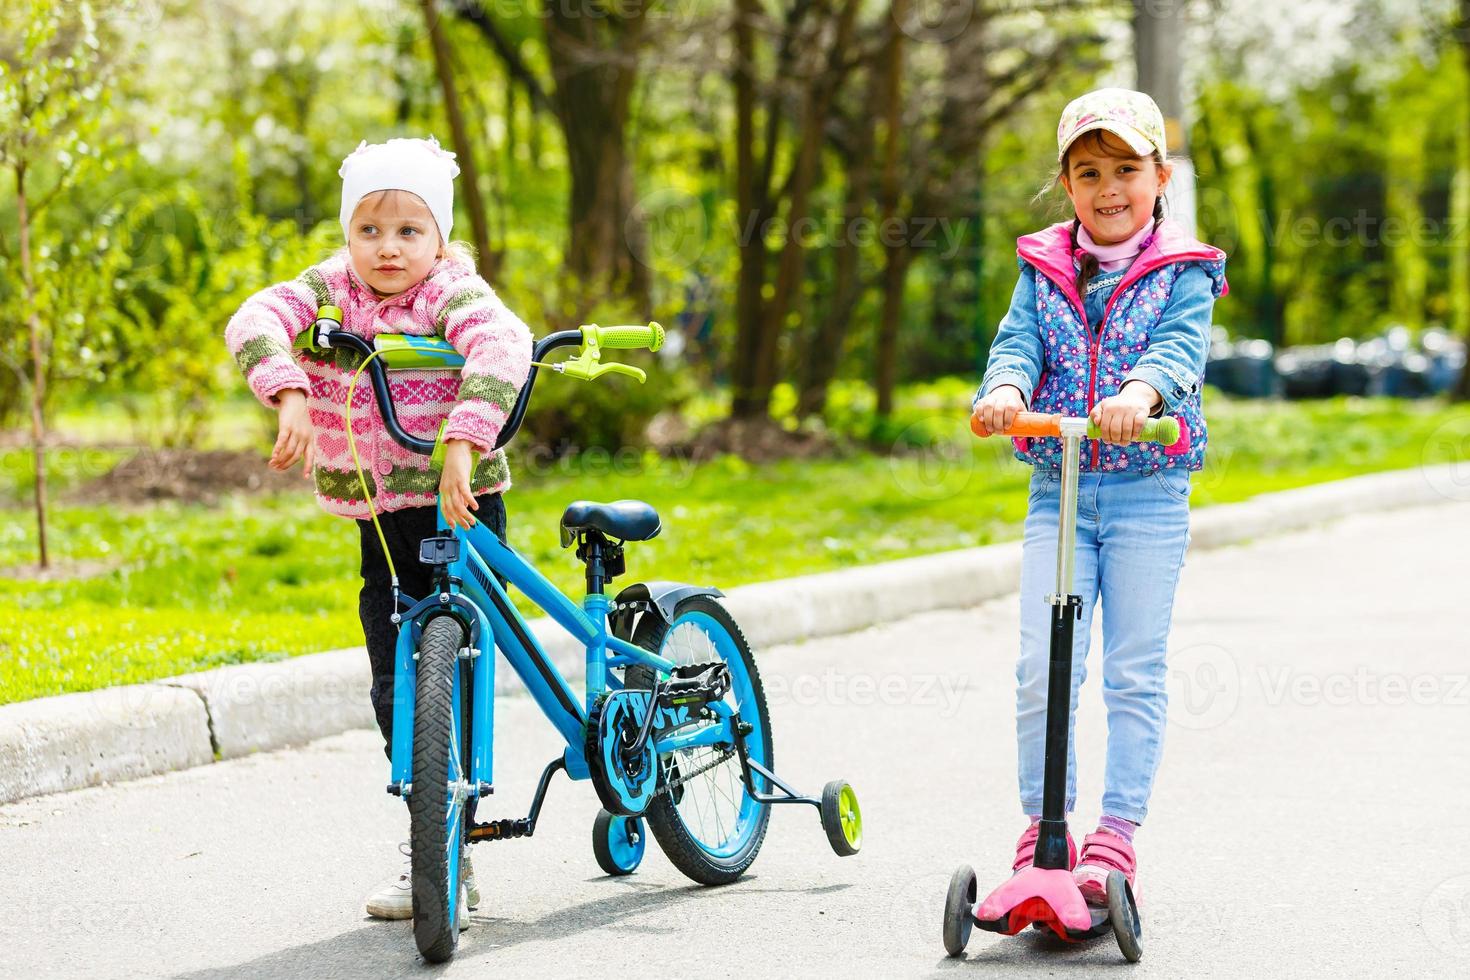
[1123, 913]
[959, 910]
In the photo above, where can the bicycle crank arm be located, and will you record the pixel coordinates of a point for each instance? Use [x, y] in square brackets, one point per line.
[507, 829]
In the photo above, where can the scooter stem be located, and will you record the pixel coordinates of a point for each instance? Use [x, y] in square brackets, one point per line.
[1051, 845]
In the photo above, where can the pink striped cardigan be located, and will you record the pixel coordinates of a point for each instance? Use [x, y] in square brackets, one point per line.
[452, 302]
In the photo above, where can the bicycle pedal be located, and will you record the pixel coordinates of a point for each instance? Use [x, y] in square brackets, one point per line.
[500, 829]
[695, 684]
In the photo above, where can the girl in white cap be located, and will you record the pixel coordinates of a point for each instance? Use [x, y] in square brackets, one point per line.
[399, 273]
[1110, 319]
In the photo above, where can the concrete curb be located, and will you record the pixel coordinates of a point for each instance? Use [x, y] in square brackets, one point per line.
[78, 740]
[287, 702]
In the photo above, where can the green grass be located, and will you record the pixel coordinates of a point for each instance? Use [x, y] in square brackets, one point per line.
[271, 577]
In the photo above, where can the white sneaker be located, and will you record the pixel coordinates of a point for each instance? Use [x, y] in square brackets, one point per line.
[467, 877]
[395, 899]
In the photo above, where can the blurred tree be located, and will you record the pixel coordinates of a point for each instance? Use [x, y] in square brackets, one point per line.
[464, 150]
[813, 59]
[1461, 256]
[594, 50]
[55, 65]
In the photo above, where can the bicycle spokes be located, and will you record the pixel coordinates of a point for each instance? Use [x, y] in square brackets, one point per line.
[705, 780]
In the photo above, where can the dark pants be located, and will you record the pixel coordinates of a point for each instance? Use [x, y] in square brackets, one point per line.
[403, 529]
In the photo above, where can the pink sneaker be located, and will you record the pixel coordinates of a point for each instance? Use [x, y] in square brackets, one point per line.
[1026, 848]
[1103, 852]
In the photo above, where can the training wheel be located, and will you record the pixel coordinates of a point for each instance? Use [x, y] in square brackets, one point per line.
[842, 818]
[618, 842]
[959, 910]
[1123, 913]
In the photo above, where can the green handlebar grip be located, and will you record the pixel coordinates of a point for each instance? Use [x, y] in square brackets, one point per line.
[627, 338]
[1164, 431]
[306, 339]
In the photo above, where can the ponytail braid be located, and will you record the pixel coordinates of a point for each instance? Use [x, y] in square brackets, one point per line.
[1087, 265]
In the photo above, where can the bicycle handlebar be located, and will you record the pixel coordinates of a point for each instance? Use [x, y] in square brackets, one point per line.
[327, 332]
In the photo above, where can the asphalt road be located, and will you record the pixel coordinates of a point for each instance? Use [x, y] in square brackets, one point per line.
[1310, 817]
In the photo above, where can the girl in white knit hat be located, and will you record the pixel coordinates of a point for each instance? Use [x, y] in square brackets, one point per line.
[399, 273]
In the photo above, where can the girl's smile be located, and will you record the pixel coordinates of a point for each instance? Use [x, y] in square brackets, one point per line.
[1112, 189]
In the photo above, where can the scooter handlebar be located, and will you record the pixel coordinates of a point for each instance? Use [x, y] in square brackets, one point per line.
[1164, 431]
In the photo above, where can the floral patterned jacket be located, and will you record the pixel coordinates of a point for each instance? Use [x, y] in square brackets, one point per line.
[1154, 327]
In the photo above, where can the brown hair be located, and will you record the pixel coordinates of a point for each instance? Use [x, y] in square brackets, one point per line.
[1105, 144]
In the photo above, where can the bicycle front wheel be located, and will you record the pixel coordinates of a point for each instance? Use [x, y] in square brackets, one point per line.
[705, 819]
[436, 802]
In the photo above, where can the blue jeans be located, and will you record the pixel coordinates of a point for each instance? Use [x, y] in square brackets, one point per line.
[1132, 532]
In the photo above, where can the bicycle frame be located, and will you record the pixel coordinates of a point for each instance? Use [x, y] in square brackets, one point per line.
[470, 591]
[477, 598]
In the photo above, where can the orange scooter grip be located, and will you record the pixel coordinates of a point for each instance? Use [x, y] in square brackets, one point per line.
[1033, 424]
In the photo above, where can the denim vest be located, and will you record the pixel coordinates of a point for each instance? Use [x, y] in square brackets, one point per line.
[1083, 366]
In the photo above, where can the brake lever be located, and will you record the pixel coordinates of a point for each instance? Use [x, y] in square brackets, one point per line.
[627, 370]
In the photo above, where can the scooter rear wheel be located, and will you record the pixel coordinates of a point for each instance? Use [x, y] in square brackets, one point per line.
[1123, 913]
[959, 910]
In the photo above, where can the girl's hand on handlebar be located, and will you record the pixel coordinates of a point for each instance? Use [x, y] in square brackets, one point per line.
[455, 498]
[1120, 418]
[997, 410]
[295, 439]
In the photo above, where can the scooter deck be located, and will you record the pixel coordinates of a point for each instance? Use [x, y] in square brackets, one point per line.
[1036, 910]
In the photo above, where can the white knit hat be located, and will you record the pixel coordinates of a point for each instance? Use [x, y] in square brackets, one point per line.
[420, 167]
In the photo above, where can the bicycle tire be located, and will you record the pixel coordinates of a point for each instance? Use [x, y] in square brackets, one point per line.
[436, 828]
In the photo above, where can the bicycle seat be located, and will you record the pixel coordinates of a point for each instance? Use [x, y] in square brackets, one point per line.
[627, 520]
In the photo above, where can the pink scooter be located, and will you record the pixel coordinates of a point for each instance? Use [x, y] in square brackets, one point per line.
[1045, 894]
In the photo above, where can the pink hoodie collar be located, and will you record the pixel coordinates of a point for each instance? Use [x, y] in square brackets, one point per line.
[1050, 252]
[1111, 258]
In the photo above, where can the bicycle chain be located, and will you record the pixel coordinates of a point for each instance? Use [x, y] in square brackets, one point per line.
[671, 785]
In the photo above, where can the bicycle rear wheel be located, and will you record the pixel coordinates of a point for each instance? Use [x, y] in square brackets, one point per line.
[436, 804]
[709, 825]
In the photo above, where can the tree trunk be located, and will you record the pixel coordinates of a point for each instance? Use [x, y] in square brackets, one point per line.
[896, 252]
[1460, 223]
[301, 95]
[38, 384]
[748, 300]
[820, 364]
[464, 150]
[812, 136]
[1404, 156]
[594, 58]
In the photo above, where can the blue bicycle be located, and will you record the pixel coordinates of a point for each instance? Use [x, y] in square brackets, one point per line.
[673, 729]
